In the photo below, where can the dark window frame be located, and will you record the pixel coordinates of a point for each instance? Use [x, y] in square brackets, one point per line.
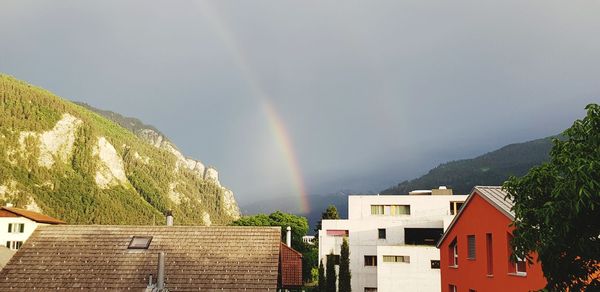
[471, 247]
[140, 246]
[370, 261]
[453, 252]
[381, 233]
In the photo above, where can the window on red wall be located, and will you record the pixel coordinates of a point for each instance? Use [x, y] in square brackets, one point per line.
[452, 288]
[471, 247]
[520, 266]
[489, 254]
[453, 252]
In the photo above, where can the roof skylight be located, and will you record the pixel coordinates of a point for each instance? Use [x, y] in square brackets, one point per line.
[140, 242]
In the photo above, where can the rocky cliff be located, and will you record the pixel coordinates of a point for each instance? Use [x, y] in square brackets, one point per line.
[87, 166]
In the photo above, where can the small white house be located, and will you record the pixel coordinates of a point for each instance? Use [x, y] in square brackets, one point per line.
[392, 239]
[16, 225]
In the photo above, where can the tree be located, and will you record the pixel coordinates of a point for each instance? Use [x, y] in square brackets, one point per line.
[322, 279]
[298, 224]
[557, 208]
[331, 276]
[345, 274]
[299, 227]
[330, 213]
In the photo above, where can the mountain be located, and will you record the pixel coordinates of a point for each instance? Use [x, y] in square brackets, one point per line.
[88, 166]
[492, 168]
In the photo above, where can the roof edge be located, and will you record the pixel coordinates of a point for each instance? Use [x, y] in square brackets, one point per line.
[475, 190]
[30, 215]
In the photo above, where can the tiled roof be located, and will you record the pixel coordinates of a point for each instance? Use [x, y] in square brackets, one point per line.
[41, 218]
[95, 257]
[494, 195]
[291, 267]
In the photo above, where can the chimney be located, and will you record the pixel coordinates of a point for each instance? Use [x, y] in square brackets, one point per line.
[150, 284]
[169, 218]
[160, 278]
[8, 205]
[442, 191]
[288, 237]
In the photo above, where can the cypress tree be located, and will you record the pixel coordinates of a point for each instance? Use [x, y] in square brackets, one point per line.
[331, 277]
[345, 274]
[322, 279]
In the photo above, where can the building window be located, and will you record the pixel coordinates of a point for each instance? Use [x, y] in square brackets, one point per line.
[520, 266]
[455, 207]
[453, 252]
[472, 290]
[377, 209]
[396, 259]
[334, 257]
[489, 254]
[370, 289]
[397, 210]
[471, 247]
[337, 232]
[16, 227]
[452, 288]
[422, 236]
[435, 264]
[14, 245]
[390, 210]
[381, 233]
[370, 261]
[140, 242]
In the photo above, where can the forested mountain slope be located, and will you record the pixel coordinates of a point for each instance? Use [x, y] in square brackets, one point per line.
[66, 161]
[492, 168]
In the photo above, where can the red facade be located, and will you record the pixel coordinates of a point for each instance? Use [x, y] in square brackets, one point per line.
[475, 251]
[290, 265]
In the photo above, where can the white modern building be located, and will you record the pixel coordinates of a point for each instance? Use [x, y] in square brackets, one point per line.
[392, 239]
[16, 225]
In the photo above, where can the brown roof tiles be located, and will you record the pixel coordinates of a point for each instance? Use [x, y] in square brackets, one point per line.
[94, 257]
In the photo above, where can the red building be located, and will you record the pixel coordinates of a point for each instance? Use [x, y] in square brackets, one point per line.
[475, 249]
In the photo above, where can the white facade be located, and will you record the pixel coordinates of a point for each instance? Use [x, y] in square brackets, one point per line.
[416, 275]
[363, 228]
[18, 233]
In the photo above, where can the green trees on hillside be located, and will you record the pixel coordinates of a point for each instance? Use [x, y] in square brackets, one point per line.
[557, 209]
[68, 190]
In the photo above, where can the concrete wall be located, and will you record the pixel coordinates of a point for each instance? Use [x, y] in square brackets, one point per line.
[30, 226]
[414, 276]
[426, 212]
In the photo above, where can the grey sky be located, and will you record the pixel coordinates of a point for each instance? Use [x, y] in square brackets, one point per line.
[371, 92]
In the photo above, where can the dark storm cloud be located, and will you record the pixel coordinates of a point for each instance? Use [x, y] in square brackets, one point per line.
[371, 92]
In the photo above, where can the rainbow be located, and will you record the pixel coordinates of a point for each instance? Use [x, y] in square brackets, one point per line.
[278, 128]
[287, 147]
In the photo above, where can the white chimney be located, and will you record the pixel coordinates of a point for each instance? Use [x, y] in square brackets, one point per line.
[169, 218]
[8, 205]
[288, 237]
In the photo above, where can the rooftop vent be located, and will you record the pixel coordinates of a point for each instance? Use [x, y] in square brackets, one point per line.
[140, 242]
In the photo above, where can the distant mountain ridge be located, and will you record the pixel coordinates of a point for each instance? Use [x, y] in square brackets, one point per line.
[88, 166]
[492, 168]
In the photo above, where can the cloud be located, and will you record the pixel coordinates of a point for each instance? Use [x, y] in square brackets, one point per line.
[371, 92]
